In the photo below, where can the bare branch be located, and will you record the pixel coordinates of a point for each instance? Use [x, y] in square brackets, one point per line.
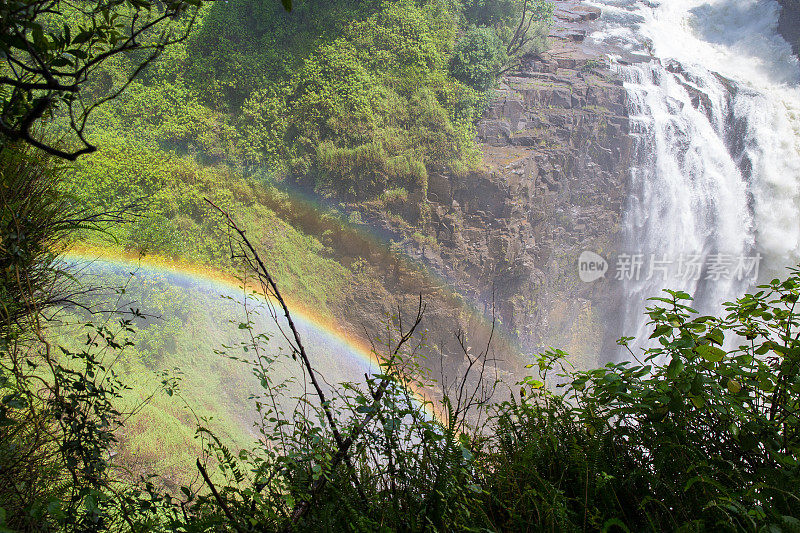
[219, 499]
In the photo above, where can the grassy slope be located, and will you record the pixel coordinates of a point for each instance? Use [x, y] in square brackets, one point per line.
[274, 94]
[181, 339]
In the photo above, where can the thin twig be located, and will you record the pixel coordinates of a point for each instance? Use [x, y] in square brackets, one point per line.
[217, 497]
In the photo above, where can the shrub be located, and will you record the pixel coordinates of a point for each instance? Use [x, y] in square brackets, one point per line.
[478, 57]
[58, 407]
[350, 97]
[700, 433]
[491, 12]
[398, 195]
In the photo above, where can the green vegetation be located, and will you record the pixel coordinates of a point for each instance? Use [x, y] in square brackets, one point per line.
[52, 49]
[350, 98]
[55, 426]
[698, 433]
[171, 360]
[32, 223]
[688, 436]
[478, 56]
[177, 222]
[355, 100]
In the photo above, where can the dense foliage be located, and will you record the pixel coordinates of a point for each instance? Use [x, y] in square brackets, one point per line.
[698, 433]
[57, 420]
[350, 98]
[176, 222]
[478, 56]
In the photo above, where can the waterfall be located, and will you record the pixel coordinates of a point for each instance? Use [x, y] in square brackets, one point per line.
[714, 103]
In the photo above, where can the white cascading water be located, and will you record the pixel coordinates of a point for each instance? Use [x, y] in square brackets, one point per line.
[715, 116]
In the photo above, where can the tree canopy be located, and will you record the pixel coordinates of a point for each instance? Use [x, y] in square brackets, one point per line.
[50, 51]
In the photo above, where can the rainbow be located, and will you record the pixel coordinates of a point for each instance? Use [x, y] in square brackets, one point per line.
[212, 279]
[323, 216]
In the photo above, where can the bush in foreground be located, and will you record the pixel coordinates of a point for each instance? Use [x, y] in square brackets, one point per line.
[697, 433]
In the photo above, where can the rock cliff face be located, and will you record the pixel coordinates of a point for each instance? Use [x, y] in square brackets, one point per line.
[789, 23]
[555, 159]
[555, 153]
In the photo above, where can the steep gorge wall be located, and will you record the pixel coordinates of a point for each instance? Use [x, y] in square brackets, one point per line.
[555, 159]
[555, 152]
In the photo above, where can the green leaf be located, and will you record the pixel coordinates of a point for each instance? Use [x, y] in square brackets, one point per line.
[287, 4]
[534, 383]
[661, 330]
[734, 386]
[77, 52]
[82, 37]
[716, 336]
[61, 61]
[615, 522]
[711, 353]
[90, 503]
[38, 37]
[675, 368]
[790, 524]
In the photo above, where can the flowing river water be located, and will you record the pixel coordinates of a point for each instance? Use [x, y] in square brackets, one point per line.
[714, 102]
